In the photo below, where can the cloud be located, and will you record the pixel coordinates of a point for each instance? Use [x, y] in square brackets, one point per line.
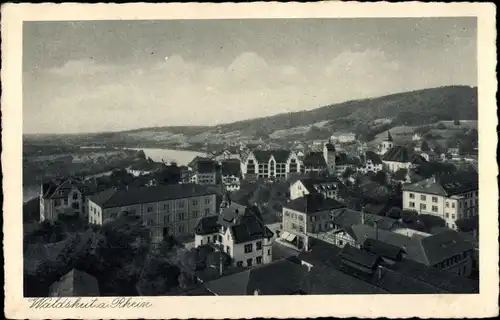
[78, 68]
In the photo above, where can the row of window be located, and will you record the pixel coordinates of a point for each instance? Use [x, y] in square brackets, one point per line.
[258, 260]
[179, 205]
[452, 261]
[424, 197]
[249, 247]
[423, 206]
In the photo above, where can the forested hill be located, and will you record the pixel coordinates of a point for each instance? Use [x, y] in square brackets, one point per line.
[410, 108]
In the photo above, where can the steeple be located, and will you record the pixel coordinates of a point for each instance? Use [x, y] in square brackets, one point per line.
[389, 137]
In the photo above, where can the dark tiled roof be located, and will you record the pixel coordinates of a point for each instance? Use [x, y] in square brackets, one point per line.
[382, 249]
[282, 277]
[375, 158]
[342, 159]
[389, 136]
[74, 284]
[313, 203]
[206, 166]
[399, 283]
[429, 250]
[446, 185]
[362, 258]
[231, 168]
[327, 280]
[66, 184]
[230, 214]
[330, 147]
[207, 225]
[195, 160]
[280, 155]
[314, 159]
[327, 183]
[320, 252]
[346, 218]
[119, 198]
[250, 228]
[398, 154]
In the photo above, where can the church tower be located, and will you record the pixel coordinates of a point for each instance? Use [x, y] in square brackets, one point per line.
[329, 155]
[386, 145]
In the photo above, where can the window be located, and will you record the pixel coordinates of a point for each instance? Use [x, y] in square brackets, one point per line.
[447, 215]
[195, 202]
[453, 205]
[75, 196]
[301, 229]
[287, 213]
[412, 204]
[258, 260]
[434, 199]
[220, 238]
[150, 209]
[423, 206]
[239, 264]
[258, 245]
[66, 201]
[228, 250]
[294, 226]
[215, 238]
[434, 208]
[181, 228]
[166, 207]
[180, 216]
[207, 200]
[249, 262]
[166, 219]
[248, 248]
[268, 252]
[412, 196]
[180, 204]
[453, 216]
[422, 197]
[207, 211]
[75, 205]
[447, 204]
[301, 218]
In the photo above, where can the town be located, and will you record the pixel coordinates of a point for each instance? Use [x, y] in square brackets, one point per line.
[334, 216]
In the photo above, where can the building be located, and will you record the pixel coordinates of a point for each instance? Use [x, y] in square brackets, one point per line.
[399, 157]
[268, 164]
[386, 144]
[371, 163]
[64, 196]
[328, 187]
[307, 215]
[281, 277]
[446, 251]
[231, 174]
[172, 210]
[314, 162]
[416, 137]
[205, 172]
[342, 162]
[145, 168]
[228, 154]
[343, 137]
[240, 232]
[450, 197]
[75, 284]
[330, 156]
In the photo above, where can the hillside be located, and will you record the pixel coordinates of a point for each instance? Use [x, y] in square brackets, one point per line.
[403, 109]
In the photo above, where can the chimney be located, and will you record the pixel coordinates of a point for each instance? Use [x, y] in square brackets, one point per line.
[379, 272]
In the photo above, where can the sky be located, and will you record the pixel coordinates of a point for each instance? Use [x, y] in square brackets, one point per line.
[94, 76]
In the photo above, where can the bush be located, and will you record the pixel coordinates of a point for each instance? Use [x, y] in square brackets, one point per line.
[409, 216]
[468, 224]
[430, 221]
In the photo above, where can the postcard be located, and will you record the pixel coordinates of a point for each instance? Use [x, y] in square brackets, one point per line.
[279, 160]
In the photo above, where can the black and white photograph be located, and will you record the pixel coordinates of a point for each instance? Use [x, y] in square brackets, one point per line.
[244, 157]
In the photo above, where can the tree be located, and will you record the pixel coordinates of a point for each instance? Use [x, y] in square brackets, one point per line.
[456, 122]
[381, 178]
[425, 146]
[348, 172]
[409, 216]
[400, 175]
[169, 175]
[467, 224]
[394, 213]
[158, 276]
[431, 221]
[141, 155]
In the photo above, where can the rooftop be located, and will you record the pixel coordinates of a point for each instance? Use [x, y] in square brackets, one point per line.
[231, 168]
[75, 284]
[313, 203]
[118, 198]
[330, 183]
[446, 185]
[314, 159]
[280, 155]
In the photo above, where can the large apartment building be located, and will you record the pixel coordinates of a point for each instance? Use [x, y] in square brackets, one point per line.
[307, 215]
[270, 164]
[172, 210]
[63, 196]
[238, 231]
[450, 197]
[328, 187]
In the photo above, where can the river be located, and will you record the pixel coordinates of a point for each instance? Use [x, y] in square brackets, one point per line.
[181, 157]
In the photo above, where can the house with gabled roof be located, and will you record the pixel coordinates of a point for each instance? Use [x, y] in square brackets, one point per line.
[231, 174]
[400, 157]
[238, 231]
[328, 187]
[75, 283]
[370, 162]
[64, 196]
[266, 164]
[450, 197]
